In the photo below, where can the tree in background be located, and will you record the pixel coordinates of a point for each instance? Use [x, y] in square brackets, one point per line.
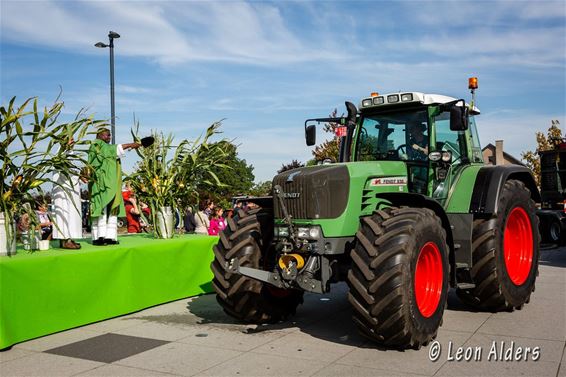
[292, 165]
[261, 189]
[544, 143]
[235, 180]
[329, 149]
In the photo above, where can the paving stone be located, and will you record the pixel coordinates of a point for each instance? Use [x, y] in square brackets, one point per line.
[305, 346]
[43, 364]
[153, 330]
[230, 338]
[341, 370]
[527, 322]
[539, 369]
[119, 371]
[111, 325]
[179, 358]
[408, 361]
[107, 347]
[253, 364]
[14, 353]
[56, 340]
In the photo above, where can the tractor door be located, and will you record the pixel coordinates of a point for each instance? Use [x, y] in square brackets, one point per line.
[397, 136]
[463, 147]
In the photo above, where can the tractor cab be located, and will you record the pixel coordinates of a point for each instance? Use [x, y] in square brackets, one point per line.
[434, 135]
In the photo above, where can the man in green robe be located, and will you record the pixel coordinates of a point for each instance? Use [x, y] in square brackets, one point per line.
[105, 187]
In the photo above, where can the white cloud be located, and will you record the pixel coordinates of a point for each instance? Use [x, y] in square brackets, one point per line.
[169, 32]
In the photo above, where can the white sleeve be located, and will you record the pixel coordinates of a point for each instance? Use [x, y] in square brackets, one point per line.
[120, 151]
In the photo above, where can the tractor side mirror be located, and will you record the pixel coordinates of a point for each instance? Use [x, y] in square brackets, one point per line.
[352, 112]
[310, 134]
[458, 118]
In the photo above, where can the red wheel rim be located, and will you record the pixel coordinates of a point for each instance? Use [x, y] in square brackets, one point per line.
[429, 276]
[518, 246]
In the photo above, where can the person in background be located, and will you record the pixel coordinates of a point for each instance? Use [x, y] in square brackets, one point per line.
[133, 213]
[45, 224]
[217, 222]
[145, 212]
[105, 187]
[201, 218]
[67, 208]
[229, 213]
[189, 221]
[209, 206]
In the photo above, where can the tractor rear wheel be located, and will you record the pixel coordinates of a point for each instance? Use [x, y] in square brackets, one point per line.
[247, 238]
[399, 276]
[505, 253]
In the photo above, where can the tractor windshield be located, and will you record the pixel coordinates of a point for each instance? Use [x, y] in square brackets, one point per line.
[393, 136]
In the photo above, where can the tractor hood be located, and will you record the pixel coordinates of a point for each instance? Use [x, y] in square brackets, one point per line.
[337, 192]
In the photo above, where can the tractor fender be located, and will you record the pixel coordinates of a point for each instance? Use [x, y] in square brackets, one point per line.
[489, 184]
[421, 201]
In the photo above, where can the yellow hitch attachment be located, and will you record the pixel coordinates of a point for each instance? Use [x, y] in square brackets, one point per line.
[286, 260]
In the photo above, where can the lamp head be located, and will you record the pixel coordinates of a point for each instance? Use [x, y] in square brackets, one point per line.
[113, 35]
[101, 45]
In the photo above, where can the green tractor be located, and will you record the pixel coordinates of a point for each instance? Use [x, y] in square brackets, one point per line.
[407, 212]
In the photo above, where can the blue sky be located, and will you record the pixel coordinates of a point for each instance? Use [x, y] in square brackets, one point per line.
[265, 67]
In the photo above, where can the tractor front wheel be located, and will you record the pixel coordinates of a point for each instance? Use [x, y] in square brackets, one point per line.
[399, 276]
[247, 238]
[505, 253]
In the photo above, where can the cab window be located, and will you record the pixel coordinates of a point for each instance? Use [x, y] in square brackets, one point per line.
[395, 136]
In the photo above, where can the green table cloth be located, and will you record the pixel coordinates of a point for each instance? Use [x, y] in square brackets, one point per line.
[48, 291]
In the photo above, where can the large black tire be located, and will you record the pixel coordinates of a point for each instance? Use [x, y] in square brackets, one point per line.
[247, 238]
[387, 291]
[505, 253]
[551, 231]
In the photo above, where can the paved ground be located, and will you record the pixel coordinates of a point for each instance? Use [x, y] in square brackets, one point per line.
[193, 337]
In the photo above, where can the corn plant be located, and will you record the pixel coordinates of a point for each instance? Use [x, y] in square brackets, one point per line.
[33, 145]
[168, 175]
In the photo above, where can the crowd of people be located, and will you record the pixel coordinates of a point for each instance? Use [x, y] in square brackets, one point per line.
[209, 219]
[107, 202]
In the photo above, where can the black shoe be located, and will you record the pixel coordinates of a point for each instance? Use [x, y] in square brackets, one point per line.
[99, 242]
[109, 241]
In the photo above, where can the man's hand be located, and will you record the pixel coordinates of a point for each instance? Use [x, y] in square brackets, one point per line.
[131, 146]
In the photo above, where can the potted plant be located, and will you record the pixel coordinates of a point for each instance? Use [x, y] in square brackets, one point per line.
[167, 176]
[33, 145]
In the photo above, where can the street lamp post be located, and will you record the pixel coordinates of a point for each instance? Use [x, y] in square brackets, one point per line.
[111, 36]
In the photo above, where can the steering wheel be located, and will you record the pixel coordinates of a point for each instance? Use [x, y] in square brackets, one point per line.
[402, 152]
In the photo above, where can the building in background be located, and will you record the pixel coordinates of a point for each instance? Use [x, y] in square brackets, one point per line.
[495, 155]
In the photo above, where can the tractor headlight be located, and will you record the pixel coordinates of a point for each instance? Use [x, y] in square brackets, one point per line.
[281, 231]
[310, 233]
[434, 156]
[446, 156]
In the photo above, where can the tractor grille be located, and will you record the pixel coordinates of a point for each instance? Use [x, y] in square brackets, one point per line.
[319, 192]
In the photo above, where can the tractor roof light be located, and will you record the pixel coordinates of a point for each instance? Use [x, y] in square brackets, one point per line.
[374, 94]
[406, 97]
[473, 83]
[378, 100]
[394, 98]
[366, 102]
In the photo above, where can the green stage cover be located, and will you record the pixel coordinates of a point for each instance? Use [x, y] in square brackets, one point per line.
[48, 291]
